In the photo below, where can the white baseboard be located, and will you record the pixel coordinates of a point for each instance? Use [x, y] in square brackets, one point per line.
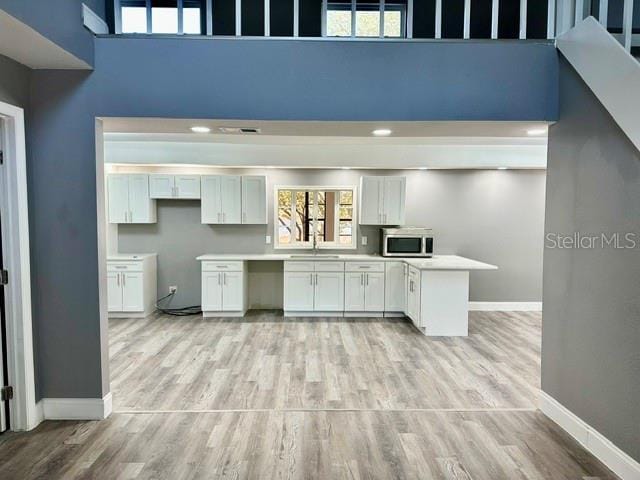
[506, 306]
[619, 462]
[76, 408]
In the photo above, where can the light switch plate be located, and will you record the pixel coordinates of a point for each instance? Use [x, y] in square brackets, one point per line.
[268, 239]
[363, 240]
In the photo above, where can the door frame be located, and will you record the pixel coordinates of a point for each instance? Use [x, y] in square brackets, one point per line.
[24, 413]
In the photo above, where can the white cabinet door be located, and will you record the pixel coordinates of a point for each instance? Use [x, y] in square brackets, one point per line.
[232, 291]
[211, 204]
[395, 287]
[413, 296]
[161, 186]
[298, 291]
[329, 292]
[354, 292]
[374, 292]
[118, 197]
[141, 207]
[211, 291]
[394, 200]
[371, 200]
[187, 186]
[231, 198]
[114, 292]
[254, 199]
[132, 292]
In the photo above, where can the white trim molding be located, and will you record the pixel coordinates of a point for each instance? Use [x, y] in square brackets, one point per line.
[77, 408]
[593, 441]
[506, 306]
[15, 215]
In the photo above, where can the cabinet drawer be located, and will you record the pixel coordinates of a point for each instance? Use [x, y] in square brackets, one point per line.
[329, 266]
[296, 266]
[364, 267]
[124, 266]
[210, 266]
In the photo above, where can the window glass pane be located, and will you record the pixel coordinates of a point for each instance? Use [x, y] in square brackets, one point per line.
[339, 23]
[392, 23]
[134, 20]
[284, 216]
[368, 23]
[191, 21]
[164, 20]
[304, 212]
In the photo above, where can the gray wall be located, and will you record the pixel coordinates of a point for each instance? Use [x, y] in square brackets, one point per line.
[488, 215]
[14, 82]
[591, 329]
[227, 78]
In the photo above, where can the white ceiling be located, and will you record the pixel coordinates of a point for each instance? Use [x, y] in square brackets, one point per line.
[28, 47]
[327, 144]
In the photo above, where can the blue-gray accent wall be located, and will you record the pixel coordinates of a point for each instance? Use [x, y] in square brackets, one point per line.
[228, 78]
[60, 22]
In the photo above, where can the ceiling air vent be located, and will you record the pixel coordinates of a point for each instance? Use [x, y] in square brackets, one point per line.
[249, 130]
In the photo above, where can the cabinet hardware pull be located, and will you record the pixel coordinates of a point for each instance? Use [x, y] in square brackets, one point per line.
[219, 280]
[362, 279]
[118, 279]
[223, 218]
[124, 280]
[224, 278]
[367, 276]
[130, 216]
[365, 266]
[311, 279]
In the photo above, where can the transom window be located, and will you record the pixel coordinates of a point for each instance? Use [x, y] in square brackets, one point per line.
[161, 16]
[305, 216]
[341, 23]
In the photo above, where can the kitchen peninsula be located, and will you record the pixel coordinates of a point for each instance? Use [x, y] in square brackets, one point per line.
[432, 292]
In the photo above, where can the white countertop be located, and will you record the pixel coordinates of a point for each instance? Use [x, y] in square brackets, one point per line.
[438, 262]
[129, 257]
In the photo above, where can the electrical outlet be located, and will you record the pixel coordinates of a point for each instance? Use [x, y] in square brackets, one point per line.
[268, 239]
[363, 240]
[173, 289]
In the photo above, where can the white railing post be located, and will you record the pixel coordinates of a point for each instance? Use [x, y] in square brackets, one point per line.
[323, 25]
[467, 20]
[267, 18]
[209, 14]
[603, 14]
[238, 18]
[353, 18]
[495, 13]
[296, 18]
[438, 30]
[409, 18]
[627, 24]
[551, 19]
[523, 19]
[381, 27]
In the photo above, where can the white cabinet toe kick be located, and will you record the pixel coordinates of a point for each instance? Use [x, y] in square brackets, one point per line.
[433, 293]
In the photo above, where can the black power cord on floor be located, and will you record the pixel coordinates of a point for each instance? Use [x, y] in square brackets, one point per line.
[177, 312]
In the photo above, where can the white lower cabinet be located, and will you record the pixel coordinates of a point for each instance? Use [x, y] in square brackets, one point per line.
[313, 287]
[131, 285]
[224, 289]
[364, 287]
[413, 296]
[395, 287]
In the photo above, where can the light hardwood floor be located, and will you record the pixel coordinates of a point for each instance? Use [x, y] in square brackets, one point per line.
[267, 397]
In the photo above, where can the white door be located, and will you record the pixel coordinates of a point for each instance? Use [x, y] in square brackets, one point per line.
[329, 292]
[210, 203]
[354, 292]
[374, 292]
[231, 198]
[371, 200]
[132, 292]
[394, 199]
[118, 197]
[114, 292]
[395, 287]
[254, 199]
[161, 186]
[187, 186]
[232, 291]
[211, 291]
[140, 205]
[298, 291]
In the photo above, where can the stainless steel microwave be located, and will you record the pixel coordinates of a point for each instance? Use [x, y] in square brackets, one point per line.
[407, 242]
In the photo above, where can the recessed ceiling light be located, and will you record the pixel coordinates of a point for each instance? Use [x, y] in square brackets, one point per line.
[502, 168]
[199, 129]
[381, 132]
[536, 131]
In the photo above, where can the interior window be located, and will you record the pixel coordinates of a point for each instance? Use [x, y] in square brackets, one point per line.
[165, 18]
[367, 20]
[306, 216]
[134, 19]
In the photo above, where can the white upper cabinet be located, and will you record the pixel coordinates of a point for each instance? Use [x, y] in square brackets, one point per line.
[234, 199]
[129, 200]
[174, 186]
[254, 199]
[382, 200]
